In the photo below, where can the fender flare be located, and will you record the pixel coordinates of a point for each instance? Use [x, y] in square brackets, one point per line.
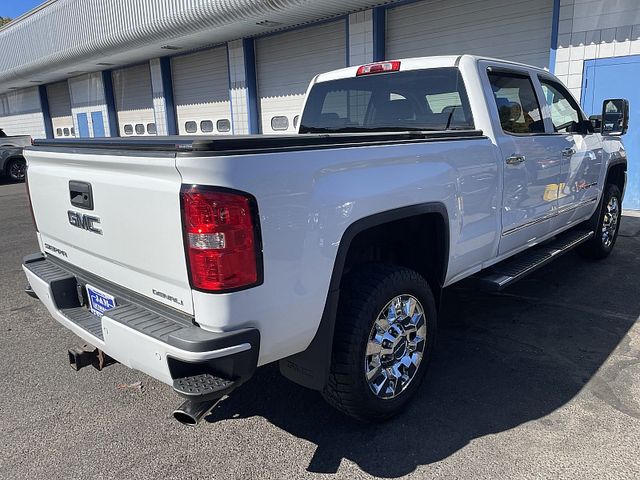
[310, 368]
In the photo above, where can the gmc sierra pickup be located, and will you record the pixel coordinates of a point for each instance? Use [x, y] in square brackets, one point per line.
[12, 162]
[197, 259]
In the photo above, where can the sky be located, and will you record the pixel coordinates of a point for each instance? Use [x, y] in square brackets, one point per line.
[15, 8]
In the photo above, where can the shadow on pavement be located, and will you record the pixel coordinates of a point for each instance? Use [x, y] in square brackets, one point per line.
[502, 360]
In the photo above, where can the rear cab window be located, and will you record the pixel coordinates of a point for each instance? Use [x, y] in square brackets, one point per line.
[429, 99]
[515, 98]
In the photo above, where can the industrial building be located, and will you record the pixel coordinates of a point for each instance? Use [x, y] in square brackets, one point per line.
[90, 68]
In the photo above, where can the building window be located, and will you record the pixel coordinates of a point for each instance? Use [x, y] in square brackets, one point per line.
[58, 132]
[151, 129]
[279, 123]
[223, 125]
[139, 129]
[128, 129]
[191, 127]
[206, 126]
[66, 132]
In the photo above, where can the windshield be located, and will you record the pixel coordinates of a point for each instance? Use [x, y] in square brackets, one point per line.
[2, 134]
[433, 99]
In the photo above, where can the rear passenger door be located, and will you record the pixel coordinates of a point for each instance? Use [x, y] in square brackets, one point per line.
[530, 161]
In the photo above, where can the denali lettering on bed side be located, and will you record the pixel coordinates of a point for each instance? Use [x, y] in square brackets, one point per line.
[168, 297]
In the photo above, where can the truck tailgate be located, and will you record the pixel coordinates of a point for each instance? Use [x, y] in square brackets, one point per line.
[131, 235]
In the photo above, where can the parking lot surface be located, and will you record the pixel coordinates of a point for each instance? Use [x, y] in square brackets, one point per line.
[542, 381]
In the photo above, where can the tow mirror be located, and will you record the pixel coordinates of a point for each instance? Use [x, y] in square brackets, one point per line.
[615, 116]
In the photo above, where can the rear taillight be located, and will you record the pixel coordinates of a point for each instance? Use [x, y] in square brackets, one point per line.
[381, 67]
[26, 183]
[221, 238]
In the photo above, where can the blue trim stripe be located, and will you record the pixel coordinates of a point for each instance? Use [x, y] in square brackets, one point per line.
[233, 123]
[346, 41]
[167, 90]
[112, 116]
[249, 49]
[46, 113]
[379, 33]
[554, 35]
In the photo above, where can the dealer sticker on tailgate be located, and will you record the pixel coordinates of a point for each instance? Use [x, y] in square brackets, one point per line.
[99, 301]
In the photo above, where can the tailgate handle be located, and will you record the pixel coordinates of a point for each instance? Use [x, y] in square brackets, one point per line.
[80, 194]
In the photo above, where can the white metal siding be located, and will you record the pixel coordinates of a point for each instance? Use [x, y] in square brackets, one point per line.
[517, 30]
[134, 98]
[287, 62]
[60, 109]
[201, 89]
[20, 113]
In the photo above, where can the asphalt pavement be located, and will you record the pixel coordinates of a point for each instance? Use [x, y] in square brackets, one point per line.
[541, 381]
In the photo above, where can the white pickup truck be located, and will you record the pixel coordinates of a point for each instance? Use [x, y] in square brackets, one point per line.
[197, 259]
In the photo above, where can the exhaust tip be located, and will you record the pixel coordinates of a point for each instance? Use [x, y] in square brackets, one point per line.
[190, 412]
[185, 418]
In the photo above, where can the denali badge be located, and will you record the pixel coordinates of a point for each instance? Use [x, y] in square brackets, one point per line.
[84, 221]
[167, 297]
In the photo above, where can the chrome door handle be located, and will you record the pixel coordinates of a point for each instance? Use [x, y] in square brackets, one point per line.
[515, 159]
[568, 152]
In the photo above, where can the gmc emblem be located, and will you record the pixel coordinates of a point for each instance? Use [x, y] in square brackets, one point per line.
[84, 221]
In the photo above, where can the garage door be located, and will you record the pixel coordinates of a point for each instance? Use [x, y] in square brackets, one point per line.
[20, 113]
[60, 109]
[286, 63]
[134, 101]
[512, 30]
[201, 92]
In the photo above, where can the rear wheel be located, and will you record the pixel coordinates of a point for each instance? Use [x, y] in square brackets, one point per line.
[606, 225]
[385, 332]
[16, 169]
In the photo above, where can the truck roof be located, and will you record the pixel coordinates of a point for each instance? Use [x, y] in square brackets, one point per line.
[419, 63]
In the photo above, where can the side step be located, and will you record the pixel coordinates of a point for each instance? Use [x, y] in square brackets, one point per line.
[203, 387]
[503, 274]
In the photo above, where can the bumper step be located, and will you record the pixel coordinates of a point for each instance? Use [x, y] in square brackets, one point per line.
[203, 387]
[500, 276]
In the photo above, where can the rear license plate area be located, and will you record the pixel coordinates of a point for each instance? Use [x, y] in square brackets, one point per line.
[99, 301]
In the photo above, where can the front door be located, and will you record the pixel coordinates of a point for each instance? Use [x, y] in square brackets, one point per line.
[531, 163]
[580, 152]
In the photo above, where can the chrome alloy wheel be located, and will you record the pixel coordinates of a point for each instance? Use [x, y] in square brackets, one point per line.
[610, 221]
[395, 346]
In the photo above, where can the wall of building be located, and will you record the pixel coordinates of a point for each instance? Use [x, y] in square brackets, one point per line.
[586, 29]
[591, 29]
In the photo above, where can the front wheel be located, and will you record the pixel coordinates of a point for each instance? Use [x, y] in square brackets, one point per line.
[384, 339]
[606, 226]
[16, 169]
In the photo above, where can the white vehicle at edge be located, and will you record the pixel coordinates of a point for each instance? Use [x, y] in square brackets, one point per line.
[326, 251]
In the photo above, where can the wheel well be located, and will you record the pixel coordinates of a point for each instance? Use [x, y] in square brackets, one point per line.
[616, 175]
[10, 159]
[418, 242]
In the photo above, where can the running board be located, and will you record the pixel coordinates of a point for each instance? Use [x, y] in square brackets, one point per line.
[501, 275]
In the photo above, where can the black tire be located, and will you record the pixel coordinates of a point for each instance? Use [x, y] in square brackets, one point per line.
[16, 169]
[364, 294]
[600, 246]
